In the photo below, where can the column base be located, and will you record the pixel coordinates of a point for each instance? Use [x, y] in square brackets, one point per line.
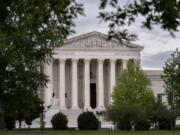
[87, 108]
[75, 108]
[62, 108]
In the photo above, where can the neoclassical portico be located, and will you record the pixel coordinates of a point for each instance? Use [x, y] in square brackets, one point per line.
[85, 70]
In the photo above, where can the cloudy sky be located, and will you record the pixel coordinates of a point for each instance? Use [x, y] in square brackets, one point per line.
[158, 44]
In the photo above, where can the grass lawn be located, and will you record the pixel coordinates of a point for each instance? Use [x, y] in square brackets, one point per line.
[52, 132]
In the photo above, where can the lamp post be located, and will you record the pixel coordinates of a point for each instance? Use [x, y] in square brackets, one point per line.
[100, 114]
[42, 123]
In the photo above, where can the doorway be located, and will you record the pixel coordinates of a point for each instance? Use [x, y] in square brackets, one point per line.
[93, 95]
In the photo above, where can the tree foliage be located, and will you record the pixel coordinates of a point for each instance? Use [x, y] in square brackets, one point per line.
[133, 99]
[165, 13]
[171, 78]
[162, 117]
[22, 105]
[133, 87]
[123, 115]
[29, 31]
[9, 122]
[1, 119]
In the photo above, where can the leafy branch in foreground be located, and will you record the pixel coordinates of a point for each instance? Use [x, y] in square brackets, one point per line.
[165, 13]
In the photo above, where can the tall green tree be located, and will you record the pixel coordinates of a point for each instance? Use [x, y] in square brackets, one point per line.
[132, 96]
[29, 31]
[164, 13]
[133, 87]
[171, 78]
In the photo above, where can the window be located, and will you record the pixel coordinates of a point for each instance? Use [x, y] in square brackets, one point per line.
[159, 97]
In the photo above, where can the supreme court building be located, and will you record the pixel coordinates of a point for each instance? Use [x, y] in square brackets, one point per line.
[83, 73]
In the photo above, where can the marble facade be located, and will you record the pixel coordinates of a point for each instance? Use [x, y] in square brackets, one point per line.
[84, 71]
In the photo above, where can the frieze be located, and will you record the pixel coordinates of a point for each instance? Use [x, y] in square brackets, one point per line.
[94, 41]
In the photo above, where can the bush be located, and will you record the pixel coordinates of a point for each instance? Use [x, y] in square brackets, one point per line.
[59, 121]
[177, 127]
[142, 125]
[88, 121]
[162, 117]
[124, 125]
[123, 115]
[1, 120]
[10, 123]
[166, 125]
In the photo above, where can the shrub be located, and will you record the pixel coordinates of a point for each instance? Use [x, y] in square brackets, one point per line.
[177, 127]
[142, 125]
[124, 125]
[123, 115]
[166, 125]
[10, 123]
[163, 117]
[1, 120]
[88, 121]
[59, 121]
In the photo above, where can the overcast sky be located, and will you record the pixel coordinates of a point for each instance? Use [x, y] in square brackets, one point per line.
[158, 44]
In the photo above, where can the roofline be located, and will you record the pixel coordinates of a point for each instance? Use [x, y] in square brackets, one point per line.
[102, 35]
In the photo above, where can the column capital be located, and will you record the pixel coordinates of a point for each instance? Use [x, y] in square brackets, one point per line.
[75, 59]
[87, 59]
[113, 60]
[137, 61]
[100, 60]
[125, 60]
[62, 60]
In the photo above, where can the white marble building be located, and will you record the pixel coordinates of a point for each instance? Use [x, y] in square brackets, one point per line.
[83, 73]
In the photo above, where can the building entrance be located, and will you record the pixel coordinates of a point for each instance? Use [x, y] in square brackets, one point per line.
[93, 95]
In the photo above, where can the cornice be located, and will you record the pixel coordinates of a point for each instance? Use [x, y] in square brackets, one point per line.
[97, 42]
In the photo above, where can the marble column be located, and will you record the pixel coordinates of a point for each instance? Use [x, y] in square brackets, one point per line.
[124, 63]
[136, 61]
[74, 84]
[100, 89]
[48, 89]
[87, 84]
[112, 77]
[62, 103]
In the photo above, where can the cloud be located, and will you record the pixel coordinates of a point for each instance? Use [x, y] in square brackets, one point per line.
[155, 61]
[157, 42]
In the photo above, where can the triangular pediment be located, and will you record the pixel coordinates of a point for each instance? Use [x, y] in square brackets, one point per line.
[96, 40]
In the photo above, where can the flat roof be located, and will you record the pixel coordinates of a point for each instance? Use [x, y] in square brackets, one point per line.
[153, 72]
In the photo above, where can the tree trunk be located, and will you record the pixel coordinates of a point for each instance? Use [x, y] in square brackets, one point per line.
[20, 124]
[125, 126]
[1, 96]
[1, 108]
[172, 129]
